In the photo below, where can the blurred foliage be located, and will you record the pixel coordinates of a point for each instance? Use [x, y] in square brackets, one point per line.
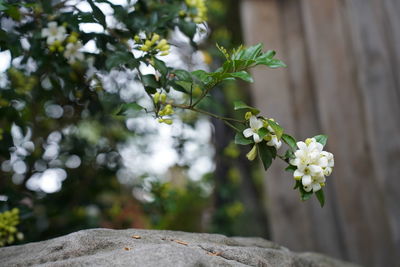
[57, 114]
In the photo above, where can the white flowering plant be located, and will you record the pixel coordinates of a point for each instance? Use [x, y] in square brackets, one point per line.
[57, 81]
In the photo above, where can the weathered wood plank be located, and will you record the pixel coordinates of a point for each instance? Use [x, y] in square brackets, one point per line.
[289, 219]
[378, 87]
[365, 224]
[307, 124]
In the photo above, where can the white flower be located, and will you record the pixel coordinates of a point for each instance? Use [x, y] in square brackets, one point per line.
[255, 125]
[54, 33]
[274, 142]
[313, 164]
[72, 53]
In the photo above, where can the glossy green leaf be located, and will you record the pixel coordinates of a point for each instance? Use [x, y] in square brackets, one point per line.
[160, 66]
[276, 127]
[98, 14]
[290, 168]
[183, 75]
[321, 197]
[241, 140]
[266, 154]
[322, 139]
[290, 141]
[262, 132]
[241, 105]
[245, 76]
[150, 83]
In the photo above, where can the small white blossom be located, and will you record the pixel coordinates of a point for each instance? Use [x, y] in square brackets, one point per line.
[274, 142]
[313, 164]
[54, 33]
[72, 52]
[255, 125]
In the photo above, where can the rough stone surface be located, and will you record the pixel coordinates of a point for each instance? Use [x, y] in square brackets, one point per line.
[133, 247]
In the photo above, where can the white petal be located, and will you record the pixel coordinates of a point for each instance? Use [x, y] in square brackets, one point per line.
[255, 123]
[306, 180]
[248, 132]
[328, 171]
[315, 170]
[301, 145]
[316, 187]
[298, 174]
[323, 162]
[278, 144]
[307, 188]
[256, 138]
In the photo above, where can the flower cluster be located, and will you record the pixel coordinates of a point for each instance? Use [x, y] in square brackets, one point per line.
[199, 6]
[72, 50]
[313, 164]
[56, 35]
[153, 44]
[8, 227]
[255, 125]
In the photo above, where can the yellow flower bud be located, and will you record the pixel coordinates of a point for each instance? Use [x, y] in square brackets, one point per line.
[155, 38]
[136, 38]
[156, 97]
[144, 48]
[168, 121]
[252, 154]
[248, 115]
[162, 43]
[160, 120]
[165, 48]
[164, 53]
[163, 98]
[148, 43]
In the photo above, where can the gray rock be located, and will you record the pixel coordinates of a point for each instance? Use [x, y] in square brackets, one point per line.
[132, 247]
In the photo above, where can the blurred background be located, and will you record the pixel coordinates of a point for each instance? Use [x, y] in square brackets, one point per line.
[343, 80]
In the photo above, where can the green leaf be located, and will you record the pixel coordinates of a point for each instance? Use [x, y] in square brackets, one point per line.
[305, 195]
[244, 75]
[150, 83]
[125, 108]
[290, 168]
[182, 86]
[183, 75]
[188, 28]
[241, 105]
[241, 140]
[98, 14]
[262, 132]
[321, 197]
[276, 127]
[160, 66]
[202, 76]
[121, 58]
[251, 52]
[321, 139]
[290, 141]
[266, 154]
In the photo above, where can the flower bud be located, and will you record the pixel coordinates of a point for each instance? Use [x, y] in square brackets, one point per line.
[248, 115]
[163, 98]
[136, 38]
[155, 38]
[156, 97]
[162, 43]
[252, 154]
